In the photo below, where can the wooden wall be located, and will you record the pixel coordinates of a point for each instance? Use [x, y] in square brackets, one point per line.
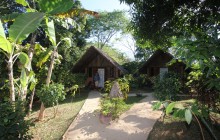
[111, 72]
[161, 61]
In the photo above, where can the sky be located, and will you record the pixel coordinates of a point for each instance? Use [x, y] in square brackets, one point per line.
[108, 5]
[103, 5]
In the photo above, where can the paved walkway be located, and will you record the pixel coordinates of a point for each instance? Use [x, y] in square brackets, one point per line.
[134, 124]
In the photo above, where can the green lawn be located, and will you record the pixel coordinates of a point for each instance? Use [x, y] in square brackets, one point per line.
[54, 128]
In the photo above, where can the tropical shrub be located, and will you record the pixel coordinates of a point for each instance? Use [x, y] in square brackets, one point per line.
[12, 122]
[139, 81]
[168, 87]
[112, 106]
[123, 83]
[51, 94]
[198, 84]
[187, 110]
[132, 67]
[69, 79]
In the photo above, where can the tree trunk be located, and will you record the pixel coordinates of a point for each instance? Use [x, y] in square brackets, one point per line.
[11, 79]
[31, 102]
[42, 112]
[30, 56]
[42, 108]
[23, 94]
[50, 70]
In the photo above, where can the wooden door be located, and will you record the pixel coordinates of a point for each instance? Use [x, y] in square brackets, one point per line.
[101, 72]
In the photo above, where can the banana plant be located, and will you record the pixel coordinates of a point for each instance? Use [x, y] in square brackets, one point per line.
[27, 23]
[53, 9]
[23, 25]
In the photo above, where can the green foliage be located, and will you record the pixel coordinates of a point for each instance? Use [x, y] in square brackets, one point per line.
[191, 30]
[168, 87]
[5, 45]
[132, 67]
[116, 54]
[2, 31]
[176, 21]
[68, 79]
[106, 26]
[123, 84]
[206, 88]
[188, 116]
[169, 108]
[73, 90]
[24, 25]
[183, 109]
[139, 81]
[50, 95]
[51, 32]
[22, 2]
[12, 122]
[23, 78]
[112, 106]
[24, 59]
[54, 7]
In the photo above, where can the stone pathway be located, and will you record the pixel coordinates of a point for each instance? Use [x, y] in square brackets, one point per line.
[134, 124]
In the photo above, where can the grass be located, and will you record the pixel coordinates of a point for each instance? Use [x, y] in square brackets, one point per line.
[54, 128]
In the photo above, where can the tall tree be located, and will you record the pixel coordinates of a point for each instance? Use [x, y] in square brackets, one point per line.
[104, 28]
[191, 26]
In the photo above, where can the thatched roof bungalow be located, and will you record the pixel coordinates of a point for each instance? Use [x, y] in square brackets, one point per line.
[158, 64]
[95, 60]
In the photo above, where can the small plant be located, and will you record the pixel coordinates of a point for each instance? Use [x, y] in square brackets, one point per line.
[186, 109]
[168, 87]
[12, 122]
[73, 90]
[123, 83]
[112, 106]
[50, 95]
[139, 81]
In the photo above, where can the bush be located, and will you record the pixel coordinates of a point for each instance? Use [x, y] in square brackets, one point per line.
[139, 81]
[123, 83]
[50, 95]
[198, 83]
[168, 87]
[112, 106]
[12, 122]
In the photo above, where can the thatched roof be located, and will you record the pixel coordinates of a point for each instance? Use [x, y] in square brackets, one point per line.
[153, 57]
[90, 55]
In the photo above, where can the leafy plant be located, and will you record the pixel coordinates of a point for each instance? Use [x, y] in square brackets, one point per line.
[12, 122]
[186, 109]
[50, 95]
[168, 87]
[139, 81]
[112, 106]
[198, 83]
[123, 84]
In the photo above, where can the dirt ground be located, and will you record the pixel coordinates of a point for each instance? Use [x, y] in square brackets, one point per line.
[173, 129]
[134, 124]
